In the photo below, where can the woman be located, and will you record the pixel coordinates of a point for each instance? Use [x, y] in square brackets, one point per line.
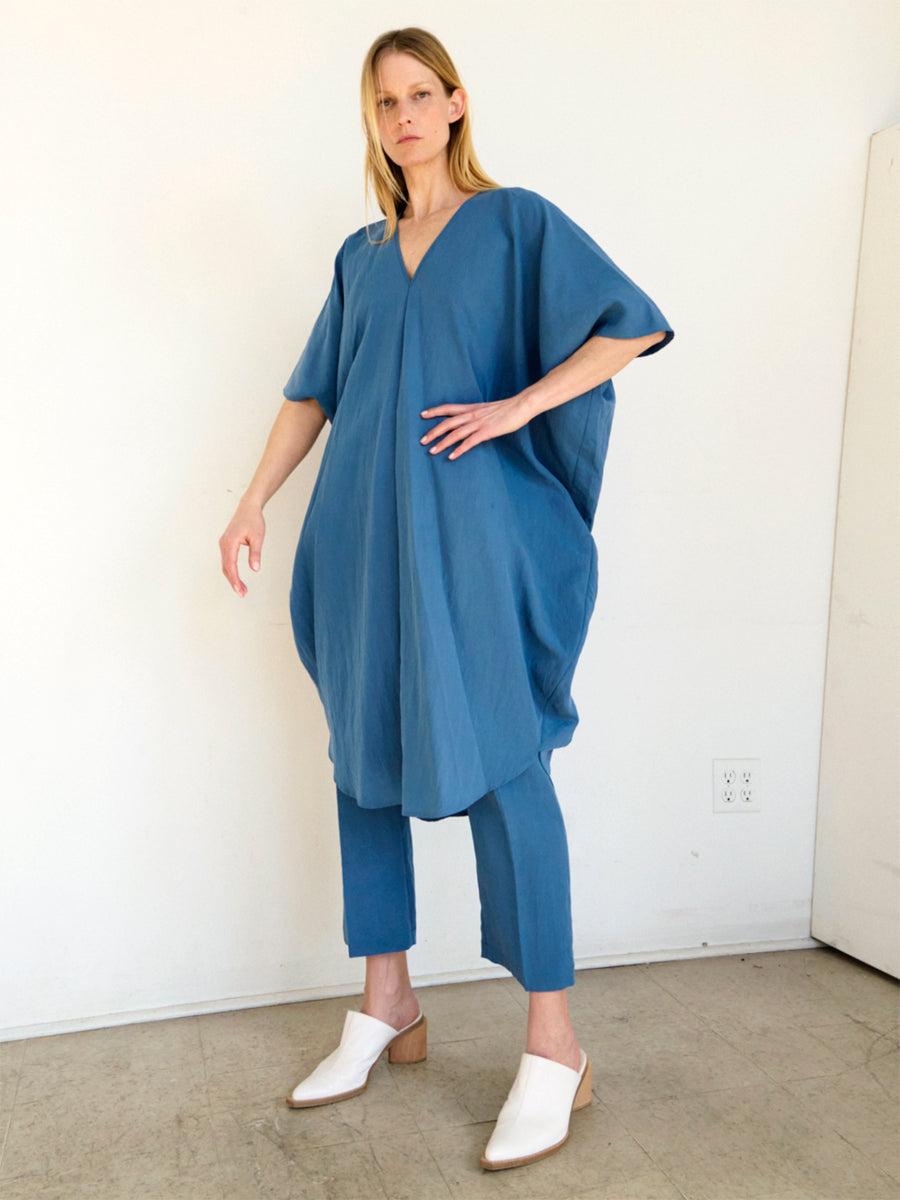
[446, 571]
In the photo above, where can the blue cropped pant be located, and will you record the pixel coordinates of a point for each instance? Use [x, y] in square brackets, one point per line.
[522, 863]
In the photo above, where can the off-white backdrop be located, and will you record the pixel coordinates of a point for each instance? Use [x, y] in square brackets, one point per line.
[178, 177]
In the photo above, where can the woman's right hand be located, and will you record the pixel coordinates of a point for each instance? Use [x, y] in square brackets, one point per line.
[298, 424]
[246, 528]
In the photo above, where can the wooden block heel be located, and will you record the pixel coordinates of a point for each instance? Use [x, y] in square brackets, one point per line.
[583, 1095]
[411, 1046]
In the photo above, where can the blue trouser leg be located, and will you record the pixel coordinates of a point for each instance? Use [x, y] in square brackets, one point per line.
[379, 883]
[522, 861]
[522, 858]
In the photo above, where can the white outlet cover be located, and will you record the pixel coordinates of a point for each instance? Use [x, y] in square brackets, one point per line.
[737, 785]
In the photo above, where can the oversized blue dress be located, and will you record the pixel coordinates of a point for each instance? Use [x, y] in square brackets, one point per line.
[440, 606]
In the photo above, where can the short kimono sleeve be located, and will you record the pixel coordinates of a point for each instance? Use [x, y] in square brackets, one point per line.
[579, 292]
[316, 374]
[583, 294]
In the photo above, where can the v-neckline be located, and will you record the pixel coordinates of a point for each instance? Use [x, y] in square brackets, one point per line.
[396, 238]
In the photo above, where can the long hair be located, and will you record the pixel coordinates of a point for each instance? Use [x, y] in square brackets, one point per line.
[384, 176]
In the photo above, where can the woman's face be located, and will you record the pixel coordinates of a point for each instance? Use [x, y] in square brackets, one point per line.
[414, 110]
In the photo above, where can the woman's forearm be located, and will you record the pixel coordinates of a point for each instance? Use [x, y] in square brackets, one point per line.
[296, 428]
[592, 364]
[467, 425]
[293, 434]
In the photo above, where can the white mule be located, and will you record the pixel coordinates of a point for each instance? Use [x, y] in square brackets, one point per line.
[534, 1121]
[345, 1072]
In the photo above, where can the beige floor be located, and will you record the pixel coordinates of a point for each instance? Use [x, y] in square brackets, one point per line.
[768, 1076]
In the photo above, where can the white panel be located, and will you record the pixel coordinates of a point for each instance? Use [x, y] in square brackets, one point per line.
[856, 898]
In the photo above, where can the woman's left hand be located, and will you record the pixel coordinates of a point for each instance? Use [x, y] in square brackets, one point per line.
[467, 425]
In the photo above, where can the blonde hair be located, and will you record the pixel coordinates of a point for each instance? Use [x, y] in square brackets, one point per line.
[383, 176]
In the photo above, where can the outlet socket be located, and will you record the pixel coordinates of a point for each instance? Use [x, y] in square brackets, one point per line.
[737, 785]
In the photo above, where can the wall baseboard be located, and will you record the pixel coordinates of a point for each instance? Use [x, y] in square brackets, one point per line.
[232, 1003]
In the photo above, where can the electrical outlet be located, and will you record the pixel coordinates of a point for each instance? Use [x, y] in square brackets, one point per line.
[737, 785]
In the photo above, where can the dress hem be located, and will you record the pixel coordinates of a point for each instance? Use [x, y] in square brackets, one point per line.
[464, 808]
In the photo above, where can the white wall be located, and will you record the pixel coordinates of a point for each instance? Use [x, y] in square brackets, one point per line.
[178, 177]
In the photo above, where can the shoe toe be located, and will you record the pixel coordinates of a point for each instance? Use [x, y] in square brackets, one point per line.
[534, 1121]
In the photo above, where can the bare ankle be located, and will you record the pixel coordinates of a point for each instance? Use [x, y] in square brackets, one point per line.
[550, 1033]
[563, 1050]
[388, 994]
[398, 1011]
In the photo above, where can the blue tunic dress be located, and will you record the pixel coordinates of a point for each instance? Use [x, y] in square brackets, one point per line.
[440, 607]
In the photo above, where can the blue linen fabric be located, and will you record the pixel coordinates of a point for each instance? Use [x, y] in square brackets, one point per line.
[440, 606]
[522, 863]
